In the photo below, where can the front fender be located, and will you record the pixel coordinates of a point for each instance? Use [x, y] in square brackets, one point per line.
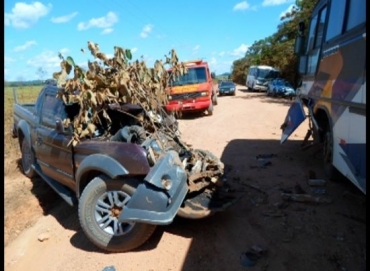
[99, 162]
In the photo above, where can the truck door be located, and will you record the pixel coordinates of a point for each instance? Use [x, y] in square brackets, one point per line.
[53, 154]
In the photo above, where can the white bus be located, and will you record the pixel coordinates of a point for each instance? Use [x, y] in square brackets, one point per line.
[332, 65]
[258, 77]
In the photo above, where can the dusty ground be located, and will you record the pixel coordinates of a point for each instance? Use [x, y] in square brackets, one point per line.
[297, 236]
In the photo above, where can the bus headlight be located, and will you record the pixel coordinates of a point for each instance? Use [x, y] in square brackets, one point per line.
[204, 93]
[169, 97]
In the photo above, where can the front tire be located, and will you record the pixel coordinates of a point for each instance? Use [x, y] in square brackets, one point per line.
[100, 205]
[210, 109]
[28, 159]
[214, 99]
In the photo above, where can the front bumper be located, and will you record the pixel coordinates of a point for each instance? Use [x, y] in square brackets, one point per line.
[158, 199]
[193, 105]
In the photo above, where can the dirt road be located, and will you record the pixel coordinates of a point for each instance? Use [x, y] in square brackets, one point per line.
[43, 233]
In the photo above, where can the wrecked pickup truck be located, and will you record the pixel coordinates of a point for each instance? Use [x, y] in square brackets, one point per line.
[125, 178]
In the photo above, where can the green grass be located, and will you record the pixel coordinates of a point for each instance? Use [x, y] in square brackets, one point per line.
[26, 94]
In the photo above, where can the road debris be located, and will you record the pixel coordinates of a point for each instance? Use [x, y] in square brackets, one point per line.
[304, 198]
[109, 268]
[250, 257]
[316, 182]
[318, 190]
[255, 187]
[43, 237]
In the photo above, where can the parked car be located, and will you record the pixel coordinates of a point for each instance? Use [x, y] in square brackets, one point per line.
[280, 88]
[226, 88]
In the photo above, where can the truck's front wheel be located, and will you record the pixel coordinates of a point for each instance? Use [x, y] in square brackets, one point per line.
[28, 159]
[101, 203]
[210, 109]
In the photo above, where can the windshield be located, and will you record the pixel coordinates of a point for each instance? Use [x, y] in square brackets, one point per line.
[193, 76]
[267, 73]
[227, 84]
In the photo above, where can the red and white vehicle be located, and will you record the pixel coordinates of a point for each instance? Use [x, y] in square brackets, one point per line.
[193, 91]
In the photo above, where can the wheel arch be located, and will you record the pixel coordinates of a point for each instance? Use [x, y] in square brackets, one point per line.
[23, 132]
[95, 165]
[322, 117]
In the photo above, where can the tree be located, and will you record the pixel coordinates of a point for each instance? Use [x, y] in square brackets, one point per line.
[277, 50]
[41, 73]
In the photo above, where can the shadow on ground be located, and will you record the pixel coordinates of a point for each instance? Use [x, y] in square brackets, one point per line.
[298, 236]
[265, 99]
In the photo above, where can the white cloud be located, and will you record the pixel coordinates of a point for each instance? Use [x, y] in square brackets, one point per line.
[25, 15]
[64, 50]
[240, 51]
[289, 9]
[8, 60]
[276, 2]
[146, 30]
[221, 53]
[103, 22]
[24, 46]
[64, 19]
[241, 6]
[133, 50]
[47, 60]
[107, 31]
[196, 48]
[213, 61]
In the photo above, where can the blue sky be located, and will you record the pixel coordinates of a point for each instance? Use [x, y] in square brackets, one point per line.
[216, 31]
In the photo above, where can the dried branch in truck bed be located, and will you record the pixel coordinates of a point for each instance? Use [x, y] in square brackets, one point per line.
[114, 81]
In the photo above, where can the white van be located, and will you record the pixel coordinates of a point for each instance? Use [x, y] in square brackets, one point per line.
[258, 77]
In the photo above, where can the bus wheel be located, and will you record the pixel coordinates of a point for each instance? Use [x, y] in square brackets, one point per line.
[332, 173]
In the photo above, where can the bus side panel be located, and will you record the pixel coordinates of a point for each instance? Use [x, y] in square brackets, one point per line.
[340, 88]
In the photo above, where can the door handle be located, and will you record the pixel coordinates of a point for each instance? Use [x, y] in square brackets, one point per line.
[38, 141]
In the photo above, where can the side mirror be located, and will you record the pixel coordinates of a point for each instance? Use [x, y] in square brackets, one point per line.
[59, 126]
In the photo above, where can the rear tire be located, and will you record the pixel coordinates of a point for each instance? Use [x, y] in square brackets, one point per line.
[100, 204]
[330, 171]
[28, 159]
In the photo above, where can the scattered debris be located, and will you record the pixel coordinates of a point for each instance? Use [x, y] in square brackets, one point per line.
[305, 198]
[259, 250]
[318, 190]
[109, 268]
[265, 164]
[254, 187]
[250, 257]
[316, 182]
[265, 156]
[43, 237]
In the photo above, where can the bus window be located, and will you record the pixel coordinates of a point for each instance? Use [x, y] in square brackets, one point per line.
[311, 36]
[315, 40]
[336, 19]
[356, 13]
[320, 28]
